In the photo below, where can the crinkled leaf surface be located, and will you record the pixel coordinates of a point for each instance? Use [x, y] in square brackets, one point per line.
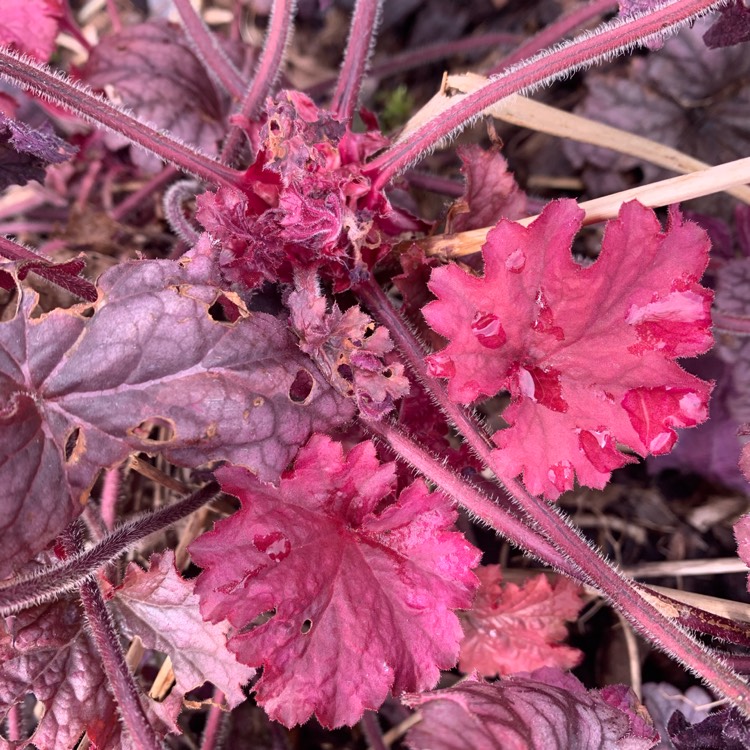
[77, 394]
[586, 353]
[151, 69]
[31, 26]
[360, 591]
[46, 651]
[305, 200]
[546, 710]
[25, 152]
[348, 348]
[513, 629]
[160, 607]
[47, 655]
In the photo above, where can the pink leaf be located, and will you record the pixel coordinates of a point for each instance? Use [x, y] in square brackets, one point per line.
[30, 26]
[338, 591]
[161, 608]
[586, 353]
[546, 710]
[81, 393]
[514, 629]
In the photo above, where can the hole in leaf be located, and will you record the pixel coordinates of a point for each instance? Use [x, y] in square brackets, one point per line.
[302, 387]
[306, 627]
[75, 444]
[156, 675]
[216, 311]
[345, 373]
[261, 619]
[156, 430]
[21, 720]
[224, 310]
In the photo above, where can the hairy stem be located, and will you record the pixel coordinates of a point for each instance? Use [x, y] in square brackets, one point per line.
[607, 41]
[556, 31]
[266, 72]
[215, 61]
[107, 641]
[80, 100]
[48, 583]
[635, 604]
[365, 22]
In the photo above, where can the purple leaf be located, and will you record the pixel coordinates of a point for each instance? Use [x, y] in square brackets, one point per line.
[724, 730]
[686, 96]
[546, 710]
[663, 699]
[151, 70]
[25, 152]
[46, 652]
[731, 27]
[78, 394]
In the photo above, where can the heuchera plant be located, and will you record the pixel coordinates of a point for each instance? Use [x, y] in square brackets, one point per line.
[268, 359]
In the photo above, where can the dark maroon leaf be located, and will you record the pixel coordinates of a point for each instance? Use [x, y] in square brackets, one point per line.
[491, 192]
[47, 655]
[25, 152]
[151, 70]
[79, 394]
[662, 700]
[731, 27]
[546, 710]
[724, 730]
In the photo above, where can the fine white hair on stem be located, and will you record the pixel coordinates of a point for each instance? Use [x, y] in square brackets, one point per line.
[549, 65]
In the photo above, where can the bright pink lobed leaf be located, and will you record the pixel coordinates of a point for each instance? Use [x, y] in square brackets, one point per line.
[151, 69]
[78, 394]
[31, 26]
[585, 352]
[359, 586]
[513, 629]
[546, 710]
[160, 607]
